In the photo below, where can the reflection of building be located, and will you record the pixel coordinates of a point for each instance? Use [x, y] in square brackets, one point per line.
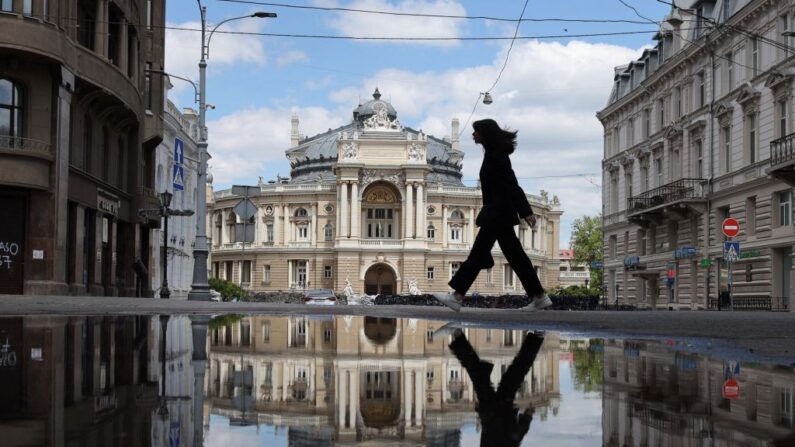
[572, 274]
[375, 202]
[74, 381]
[80, 118]
[175, 429]
[182, 126]
[359, 379]
[657, 396]
[698, 129]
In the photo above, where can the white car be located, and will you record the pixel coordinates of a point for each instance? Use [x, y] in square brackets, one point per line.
[320, 297]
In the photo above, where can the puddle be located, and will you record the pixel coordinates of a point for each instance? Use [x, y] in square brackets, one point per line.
[341, 380]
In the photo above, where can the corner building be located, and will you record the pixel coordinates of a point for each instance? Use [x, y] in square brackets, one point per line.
[698, 129]
[376, 203]
[80, 118]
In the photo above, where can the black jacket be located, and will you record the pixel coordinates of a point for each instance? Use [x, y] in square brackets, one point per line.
[504, 202]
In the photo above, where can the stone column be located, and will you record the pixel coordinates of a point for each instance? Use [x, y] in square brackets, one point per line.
[122, 50]
[418, 397]
[277, 239]
[345, 211]
[420, 212]
[60, 172]
[444, 226]
[341, 396]
[353, 393]
[407, 396]
[338, 227]
[101, 29]
[285, 380]
[286, 225]
[289, 279]
[409, 210]
[313, 226]
[356, 210]
[471, 225]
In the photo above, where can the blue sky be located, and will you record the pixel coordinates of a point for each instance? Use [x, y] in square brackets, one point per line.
[549, 92]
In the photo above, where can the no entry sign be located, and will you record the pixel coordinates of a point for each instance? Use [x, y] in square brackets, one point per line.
[730, 227]
[731, 389]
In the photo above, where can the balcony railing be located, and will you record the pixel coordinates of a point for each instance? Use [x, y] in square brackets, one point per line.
[23, 144]
[782, 150]
[380, 242]
[687, 188]
[574, 274]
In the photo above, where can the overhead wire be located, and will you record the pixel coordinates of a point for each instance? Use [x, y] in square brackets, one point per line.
[429, 15]
[499, 75]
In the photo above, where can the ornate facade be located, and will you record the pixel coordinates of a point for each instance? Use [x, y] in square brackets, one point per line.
[355, 379]
[698, 129]
[374, 202]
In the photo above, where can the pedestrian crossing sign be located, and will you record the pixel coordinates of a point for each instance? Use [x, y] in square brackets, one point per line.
[179, 178]
[731, 251]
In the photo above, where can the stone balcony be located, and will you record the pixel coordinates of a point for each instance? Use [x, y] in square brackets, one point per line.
[25, 162]
[677, 199]
[782, 159]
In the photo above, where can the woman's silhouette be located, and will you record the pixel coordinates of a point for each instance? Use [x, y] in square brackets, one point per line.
[503, 203]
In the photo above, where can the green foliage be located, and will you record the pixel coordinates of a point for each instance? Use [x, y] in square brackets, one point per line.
[587, 242]
[224, 320]
[572, 291]
[588, 366]
[227, 289]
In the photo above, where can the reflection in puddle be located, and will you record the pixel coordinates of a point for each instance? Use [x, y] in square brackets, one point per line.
[305, 381]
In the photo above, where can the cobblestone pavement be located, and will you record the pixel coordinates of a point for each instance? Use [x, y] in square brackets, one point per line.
[760, 335]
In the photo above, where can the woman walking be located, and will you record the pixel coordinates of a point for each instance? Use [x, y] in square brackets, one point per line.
[503, 203]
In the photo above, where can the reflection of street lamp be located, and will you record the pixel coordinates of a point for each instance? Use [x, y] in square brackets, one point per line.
[200, 290]
[162, 411]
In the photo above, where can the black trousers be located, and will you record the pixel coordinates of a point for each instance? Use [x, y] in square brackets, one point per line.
[480, 258]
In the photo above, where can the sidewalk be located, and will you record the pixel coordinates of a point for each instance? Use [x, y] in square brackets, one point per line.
[761, 333]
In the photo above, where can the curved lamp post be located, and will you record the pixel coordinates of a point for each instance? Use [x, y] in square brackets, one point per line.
[200, 290]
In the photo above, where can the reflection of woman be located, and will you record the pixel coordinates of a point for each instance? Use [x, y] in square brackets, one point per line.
[503, 424]
[503, 202]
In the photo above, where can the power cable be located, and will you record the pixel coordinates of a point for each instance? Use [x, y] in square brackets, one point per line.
[499, 75]
[442, 16]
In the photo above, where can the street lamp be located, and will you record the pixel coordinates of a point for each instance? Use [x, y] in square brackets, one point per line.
[199, 289]
[165, 203]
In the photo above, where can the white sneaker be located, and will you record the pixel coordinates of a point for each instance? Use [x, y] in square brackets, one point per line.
[538, 303]
[447, 329]
[449, 300]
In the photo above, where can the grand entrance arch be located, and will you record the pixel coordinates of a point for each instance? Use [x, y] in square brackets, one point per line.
[380, 280]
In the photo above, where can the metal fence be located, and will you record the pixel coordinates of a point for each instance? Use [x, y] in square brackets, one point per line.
[750, 303]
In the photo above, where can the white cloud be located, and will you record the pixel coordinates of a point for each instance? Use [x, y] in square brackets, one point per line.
[357, 24]
[183, 48]
[549, 92]
[239, 150]
[291, 57]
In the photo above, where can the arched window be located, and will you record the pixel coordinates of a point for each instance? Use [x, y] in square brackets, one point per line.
[455, 233]
[456, 215]
[431, 232]
[10, 113]
[301, 212]
[328, 231]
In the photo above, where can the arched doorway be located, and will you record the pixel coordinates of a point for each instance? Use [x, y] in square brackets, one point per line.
[380, 280]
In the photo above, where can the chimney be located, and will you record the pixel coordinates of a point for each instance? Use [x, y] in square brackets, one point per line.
[454, 135]
[295, 136]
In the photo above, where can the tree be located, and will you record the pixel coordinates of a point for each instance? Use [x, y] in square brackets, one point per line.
[587, 242]
[227, 289]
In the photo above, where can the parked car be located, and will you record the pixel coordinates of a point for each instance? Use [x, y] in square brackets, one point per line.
[320, 297]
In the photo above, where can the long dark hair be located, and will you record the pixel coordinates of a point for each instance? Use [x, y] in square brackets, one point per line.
[494, 137]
